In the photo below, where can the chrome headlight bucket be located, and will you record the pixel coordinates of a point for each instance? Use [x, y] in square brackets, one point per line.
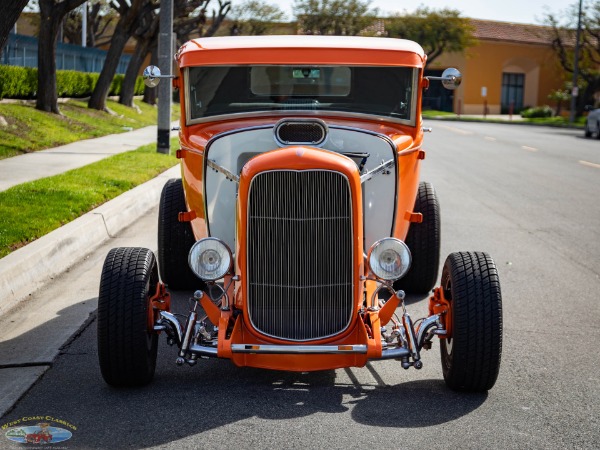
[210, 259]
[389, 259]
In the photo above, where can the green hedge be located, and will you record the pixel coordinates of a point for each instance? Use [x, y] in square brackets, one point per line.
[537, 112]
[21, 82]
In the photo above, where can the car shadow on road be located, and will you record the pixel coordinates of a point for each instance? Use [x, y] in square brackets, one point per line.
[186, 401]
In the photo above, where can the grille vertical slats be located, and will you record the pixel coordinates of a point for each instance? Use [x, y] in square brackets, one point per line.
[300, 254]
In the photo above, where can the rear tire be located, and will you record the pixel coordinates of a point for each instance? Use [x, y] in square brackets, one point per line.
[587, 131]
[423, 240]
[471, 357]
[175, 239]
[126, 350]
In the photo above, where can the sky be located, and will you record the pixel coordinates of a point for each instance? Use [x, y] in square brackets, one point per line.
[520, 11]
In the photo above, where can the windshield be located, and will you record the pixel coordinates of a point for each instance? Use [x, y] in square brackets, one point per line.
[380, 91]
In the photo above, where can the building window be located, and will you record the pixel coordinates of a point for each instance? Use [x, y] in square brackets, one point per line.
[513, 88]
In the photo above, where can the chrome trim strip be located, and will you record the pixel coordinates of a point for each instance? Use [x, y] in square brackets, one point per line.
[229, 175]
[380, 168]
[299, 349]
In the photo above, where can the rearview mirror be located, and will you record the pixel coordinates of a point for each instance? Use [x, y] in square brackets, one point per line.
[451, 78]
[151, 76]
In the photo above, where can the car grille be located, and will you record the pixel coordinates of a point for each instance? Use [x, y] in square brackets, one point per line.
[300, 254]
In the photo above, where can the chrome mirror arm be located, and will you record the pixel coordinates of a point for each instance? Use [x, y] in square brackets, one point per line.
[152, 76]
[451, 78]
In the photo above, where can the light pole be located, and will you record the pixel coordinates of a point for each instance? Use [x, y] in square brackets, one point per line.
[165, 62]
[575, 89]
[84, 24]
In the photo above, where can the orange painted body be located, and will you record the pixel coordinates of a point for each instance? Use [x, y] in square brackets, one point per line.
[363, 329]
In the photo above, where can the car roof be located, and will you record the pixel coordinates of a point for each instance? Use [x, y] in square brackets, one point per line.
[300, 49]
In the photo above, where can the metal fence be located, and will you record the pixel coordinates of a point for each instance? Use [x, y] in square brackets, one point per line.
[22, 50]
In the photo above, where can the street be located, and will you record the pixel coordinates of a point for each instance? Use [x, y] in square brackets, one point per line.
[527, 195]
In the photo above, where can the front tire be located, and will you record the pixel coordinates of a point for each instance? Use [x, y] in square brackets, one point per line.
[423, 240]
[471, 357]
[175, 239]
[126, 348]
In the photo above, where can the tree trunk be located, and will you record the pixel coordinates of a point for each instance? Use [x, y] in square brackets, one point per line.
[122, 33]
[51, 16]
[46, 92]
[117, 44]
[133, 68]
[11, 10]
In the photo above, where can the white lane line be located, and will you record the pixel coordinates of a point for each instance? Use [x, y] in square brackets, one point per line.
[457, 130]
[529, 149]
[489, 138]
[589, 164]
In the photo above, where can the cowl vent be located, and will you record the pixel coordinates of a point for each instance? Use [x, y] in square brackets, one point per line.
[311, 132]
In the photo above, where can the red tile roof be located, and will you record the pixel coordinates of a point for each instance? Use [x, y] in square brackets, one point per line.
[511, 32]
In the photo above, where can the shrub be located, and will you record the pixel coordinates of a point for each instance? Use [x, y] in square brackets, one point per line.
[18, 82]
[21, 82]
[537, 112]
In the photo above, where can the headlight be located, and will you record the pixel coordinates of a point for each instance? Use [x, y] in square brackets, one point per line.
[389, 259]
[210, 259]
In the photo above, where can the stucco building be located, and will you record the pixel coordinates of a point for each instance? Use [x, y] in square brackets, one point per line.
[512, 64]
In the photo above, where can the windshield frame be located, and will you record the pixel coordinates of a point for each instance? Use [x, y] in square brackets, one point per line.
[303, 112]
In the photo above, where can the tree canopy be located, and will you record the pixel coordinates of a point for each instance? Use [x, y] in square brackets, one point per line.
[564, 29]
[336, 17]
[253, 17]
[438, 31]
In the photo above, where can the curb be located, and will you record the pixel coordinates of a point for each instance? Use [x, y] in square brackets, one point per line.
[30, 268]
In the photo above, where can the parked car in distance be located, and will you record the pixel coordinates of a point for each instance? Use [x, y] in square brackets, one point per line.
[592, 123]
[300, 221]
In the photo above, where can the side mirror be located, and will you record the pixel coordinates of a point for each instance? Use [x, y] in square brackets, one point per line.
[152, 76]
[451, 78]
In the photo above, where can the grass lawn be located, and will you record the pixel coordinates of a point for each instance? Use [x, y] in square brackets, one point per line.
[31, 210]
[28, 129]
[433, 113]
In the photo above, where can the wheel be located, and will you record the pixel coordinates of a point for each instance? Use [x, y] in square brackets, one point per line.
[126, 349]
[175, 239]
[597, 130]
[587, 131]
[423, 240]
[471, 357]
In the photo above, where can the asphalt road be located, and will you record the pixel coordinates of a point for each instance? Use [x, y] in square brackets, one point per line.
[527, 195]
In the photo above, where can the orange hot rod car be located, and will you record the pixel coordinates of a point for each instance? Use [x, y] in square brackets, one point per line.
[299, 221]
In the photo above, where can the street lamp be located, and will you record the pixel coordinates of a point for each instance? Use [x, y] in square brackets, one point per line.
[165, 60]
[575, 89]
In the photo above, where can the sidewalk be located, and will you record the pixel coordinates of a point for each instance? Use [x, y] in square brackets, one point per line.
[28, 269]
[45, 163]
[49, 287]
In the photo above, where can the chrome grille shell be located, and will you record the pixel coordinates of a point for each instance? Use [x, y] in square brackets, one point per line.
[300, 254]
